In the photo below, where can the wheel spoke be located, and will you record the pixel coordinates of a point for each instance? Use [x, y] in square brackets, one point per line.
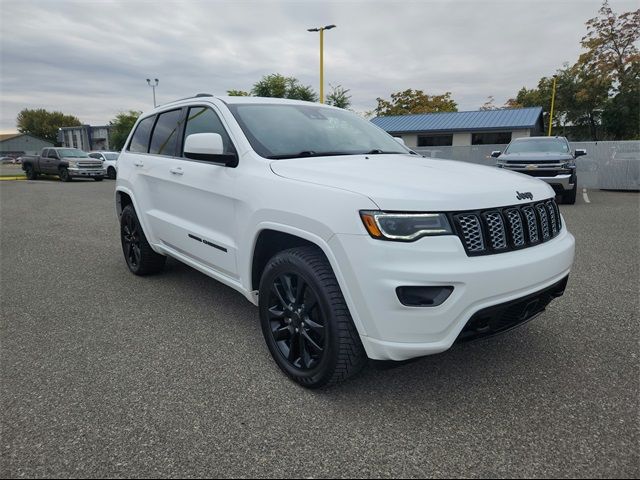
[315, 348]
[302, 349]
[288, 288]
[316, 327]
[293, 349]
[275, 289]
[275, 312]
[301, 287]
[282, 333]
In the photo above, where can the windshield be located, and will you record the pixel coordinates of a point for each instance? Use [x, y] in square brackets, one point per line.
[110, 156]
[541, 145]
[289, 131]
[71, 153]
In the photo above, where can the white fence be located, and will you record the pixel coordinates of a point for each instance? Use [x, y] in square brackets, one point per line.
[609, 165]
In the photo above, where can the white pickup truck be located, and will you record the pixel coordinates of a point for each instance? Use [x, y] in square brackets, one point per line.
[351, 245]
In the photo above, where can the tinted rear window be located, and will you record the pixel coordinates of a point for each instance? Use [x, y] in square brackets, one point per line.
[165, 134]
[140, 141]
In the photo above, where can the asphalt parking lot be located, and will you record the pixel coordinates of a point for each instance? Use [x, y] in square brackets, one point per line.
[105, 374]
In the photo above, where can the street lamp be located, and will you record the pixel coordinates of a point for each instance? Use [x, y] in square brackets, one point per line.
[553, 101]
[321, 30]
[153, 86]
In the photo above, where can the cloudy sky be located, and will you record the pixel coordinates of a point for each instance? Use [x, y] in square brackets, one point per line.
[91, 58]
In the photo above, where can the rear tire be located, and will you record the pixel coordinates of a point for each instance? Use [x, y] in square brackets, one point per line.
[569, 197]
[111, 173]
[30, 172]
[64, 175]
[140, 257]
[305, 319]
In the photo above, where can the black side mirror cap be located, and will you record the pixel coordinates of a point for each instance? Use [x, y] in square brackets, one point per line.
[579, 152]
[496, 153]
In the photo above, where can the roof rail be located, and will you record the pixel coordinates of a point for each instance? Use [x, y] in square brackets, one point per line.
[203, 95]
[199, 95]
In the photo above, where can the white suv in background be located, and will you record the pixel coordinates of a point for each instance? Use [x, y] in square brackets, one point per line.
[350, 245]
[109, 161]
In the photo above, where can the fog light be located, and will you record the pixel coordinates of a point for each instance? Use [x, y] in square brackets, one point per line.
[423, 296]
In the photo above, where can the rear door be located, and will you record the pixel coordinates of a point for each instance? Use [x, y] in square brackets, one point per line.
[194, 200]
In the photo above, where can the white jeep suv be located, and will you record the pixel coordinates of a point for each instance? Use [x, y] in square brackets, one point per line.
[351, 245]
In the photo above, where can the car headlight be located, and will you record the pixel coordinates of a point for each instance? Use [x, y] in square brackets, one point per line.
[73, 163]
[405, 227]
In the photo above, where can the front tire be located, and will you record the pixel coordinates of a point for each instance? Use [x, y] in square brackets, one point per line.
[111, 173]
[569, 197]
[30, 172]
[140, 257]
[64, 175]
[305, 320]
[98, 179]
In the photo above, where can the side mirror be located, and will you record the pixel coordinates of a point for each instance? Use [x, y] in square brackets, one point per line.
[400, 140]
[496, 153]
[580, 152]
[208, 147]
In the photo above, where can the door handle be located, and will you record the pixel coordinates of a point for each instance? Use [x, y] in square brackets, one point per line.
[176, 171]
[138, 163]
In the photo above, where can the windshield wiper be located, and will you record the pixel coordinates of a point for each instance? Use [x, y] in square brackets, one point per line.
[308, 153]
[377, 151]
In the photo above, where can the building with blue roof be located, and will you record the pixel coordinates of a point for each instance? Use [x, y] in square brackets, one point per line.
[484, 127]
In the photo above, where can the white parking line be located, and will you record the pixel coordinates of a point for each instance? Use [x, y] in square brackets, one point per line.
[585, 196]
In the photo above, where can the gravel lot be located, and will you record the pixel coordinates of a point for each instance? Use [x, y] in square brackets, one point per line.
[105, 374]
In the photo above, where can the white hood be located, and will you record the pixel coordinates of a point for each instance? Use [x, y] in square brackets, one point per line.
[413, 183]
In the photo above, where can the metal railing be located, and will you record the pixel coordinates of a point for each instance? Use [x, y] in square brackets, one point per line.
[608, 165]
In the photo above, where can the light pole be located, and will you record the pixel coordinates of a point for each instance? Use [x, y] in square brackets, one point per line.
[153, 86]
[321, 30]
[553, 101]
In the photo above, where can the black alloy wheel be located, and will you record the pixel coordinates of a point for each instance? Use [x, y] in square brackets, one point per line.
[298, 326]
[140, 257]
[64, 175]
[131, 242]
[111, 173]
[305, 319]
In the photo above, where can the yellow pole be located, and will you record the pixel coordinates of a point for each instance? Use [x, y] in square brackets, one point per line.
[553, 101]
[321, 65]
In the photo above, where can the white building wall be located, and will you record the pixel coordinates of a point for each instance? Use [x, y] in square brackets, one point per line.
[460, 139]
[520, 133]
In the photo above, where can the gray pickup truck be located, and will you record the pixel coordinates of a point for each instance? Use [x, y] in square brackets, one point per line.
[548, 158]
[67, 163]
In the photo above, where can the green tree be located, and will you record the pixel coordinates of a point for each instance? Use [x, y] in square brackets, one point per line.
[279, 86]
[44, 124]
[238, 93]
[121, 126]
[415, 101]
[611, 45]
[489, 104]
[339, 97]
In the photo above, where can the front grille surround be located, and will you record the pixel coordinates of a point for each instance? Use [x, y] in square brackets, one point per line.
[498, 230]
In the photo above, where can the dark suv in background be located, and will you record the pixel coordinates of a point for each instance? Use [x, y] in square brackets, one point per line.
[547, 158]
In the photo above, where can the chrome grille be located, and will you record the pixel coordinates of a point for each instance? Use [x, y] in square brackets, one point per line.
[508, 228]
[515, 225]
[471, 232]
[544, 221]
[495, 228]
[532, 224]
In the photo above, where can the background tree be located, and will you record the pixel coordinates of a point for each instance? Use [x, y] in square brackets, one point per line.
[238, 93]
[611, 45]
[415, 101]
[44, 124]
[279, 86]
[339, 97]
[121, 126]
[489, 104]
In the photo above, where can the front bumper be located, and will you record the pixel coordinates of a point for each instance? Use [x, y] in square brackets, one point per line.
[564, 180]
[86, 172]
[373, 269]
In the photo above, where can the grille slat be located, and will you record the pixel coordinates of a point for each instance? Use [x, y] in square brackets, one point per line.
[503, 229]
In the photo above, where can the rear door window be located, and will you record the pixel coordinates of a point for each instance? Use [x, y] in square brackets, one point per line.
[140, 140]
[164, 139]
